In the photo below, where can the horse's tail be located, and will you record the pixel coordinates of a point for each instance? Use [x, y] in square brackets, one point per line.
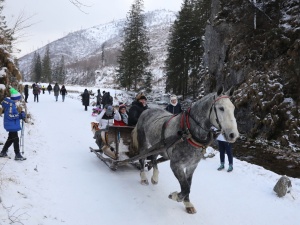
[134, 145]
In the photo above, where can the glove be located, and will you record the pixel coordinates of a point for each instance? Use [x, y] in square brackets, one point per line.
[22, 115]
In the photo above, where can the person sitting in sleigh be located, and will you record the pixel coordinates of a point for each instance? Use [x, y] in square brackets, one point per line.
[106, 118]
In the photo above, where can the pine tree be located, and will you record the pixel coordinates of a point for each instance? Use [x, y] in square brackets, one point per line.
[185, 50]
[11, 75]
[6, 34]
[59, 71]
[38, 68]
[32, 69]
[46, 67]
[134, 59]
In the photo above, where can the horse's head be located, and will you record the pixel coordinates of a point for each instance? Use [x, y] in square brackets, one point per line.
[222, 115]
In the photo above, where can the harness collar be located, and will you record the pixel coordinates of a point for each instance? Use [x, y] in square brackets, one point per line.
[184, 120]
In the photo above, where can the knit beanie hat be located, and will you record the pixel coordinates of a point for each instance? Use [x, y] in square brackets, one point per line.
[141, 96]
[14, 94]
[122, 107]
[109, 110]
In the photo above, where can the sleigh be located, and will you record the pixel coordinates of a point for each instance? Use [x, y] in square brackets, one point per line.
[96, 111]
[115, 151]
[118, 150]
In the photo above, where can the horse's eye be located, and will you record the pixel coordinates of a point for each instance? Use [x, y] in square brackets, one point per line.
[222, 109]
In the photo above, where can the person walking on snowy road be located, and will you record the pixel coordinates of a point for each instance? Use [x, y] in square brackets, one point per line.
[56, 90]
[85, 98]
[63, 92]
[12, 123]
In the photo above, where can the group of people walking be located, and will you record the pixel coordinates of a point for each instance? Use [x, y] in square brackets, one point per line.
[37, 89]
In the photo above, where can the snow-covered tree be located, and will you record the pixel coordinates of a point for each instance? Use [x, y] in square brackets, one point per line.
[134, 60]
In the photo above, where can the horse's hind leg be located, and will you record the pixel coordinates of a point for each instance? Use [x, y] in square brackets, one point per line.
[141, 137]
[143, 176]
[154, 178]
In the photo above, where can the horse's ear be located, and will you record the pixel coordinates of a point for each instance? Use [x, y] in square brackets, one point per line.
[220, 90]
[230, 92]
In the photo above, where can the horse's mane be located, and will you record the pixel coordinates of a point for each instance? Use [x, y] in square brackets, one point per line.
[199, 117]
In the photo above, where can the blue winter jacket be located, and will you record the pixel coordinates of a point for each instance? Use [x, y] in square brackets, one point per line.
[11, 115]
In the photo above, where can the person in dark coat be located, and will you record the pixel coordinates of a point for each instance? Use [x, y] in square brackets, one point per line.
[26, 92]
[174, 107]
[85, 98]
[56, 90]
[36, 92]
[12, 123]
[138, 106]
[107, 99]
[49, 88]
[63, 92]
[99, 99]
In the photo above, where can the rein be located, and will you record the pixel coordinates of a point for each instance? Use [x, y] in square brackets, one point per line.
[185, 126]
[215, 110]
[185, 121]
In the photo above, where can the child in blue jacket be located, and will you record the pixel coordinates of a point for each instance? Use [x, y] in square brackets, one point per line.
[12, 123]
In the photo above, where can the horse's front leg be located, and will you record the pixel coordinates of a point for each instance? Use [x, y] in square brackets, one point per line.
[188, 205]
[184, 185]
[144, 180]
[185, 180]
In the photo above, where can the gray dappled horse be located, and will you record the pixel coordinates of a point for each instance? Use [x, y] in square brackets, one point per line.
[183, 138]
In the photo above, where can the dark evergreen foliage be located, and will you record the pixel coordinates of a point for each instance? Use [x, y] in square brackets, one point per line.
[46, 67]
[59, 71]
[38, 69]
[185, 50]
[6, 34]
[134, 59]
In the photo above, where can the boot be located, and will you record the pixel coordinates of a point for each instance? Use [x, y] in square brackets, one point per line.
[230, 168]
[221, 167]
[19, 157]
[3, 154]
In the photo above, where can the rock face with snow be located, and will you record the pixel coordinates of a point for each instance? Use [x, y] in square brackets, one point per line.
[255, 47]
[283, 186]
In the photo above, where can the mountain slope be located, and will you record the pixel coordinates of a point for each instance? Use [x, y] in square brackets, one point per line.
[96, 48]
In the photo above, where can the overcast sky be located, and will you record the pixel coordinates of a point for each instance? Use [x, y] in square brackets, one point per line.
[55, 18]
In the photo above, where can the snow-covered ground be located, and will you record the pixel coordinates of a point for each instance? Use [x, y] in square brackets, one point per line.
[62, 182]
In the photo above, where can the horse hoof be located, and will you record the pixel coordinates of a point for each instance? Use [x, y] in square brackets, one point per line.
[153, 181]
[144, 182]
[191, 210]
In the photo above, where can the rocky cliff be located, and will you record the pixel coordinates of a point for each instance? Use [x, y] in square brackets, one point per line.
[255, 47]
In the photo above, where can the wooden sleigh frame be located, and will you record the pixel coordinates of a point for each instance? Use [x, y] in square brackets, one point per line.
[113, 137]
[114, 134]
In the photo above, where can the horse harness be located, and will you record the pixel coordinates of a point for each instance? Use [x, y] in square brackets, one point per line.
[185, 134]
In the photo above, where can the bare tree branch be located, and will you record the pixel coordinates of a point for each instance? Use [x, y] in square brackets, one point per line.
[79, 5]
